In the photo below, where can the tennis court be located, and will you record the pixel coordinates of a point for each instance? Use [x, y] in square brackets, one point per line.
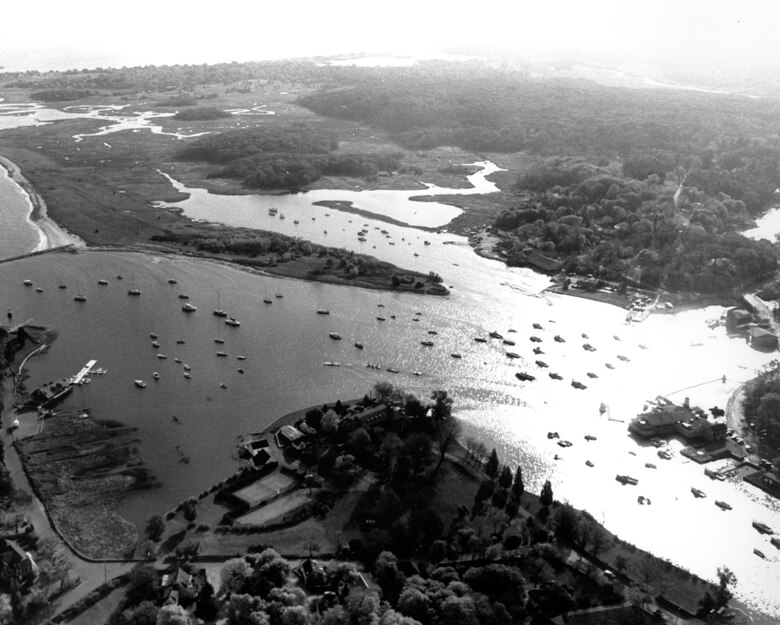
[264, 488]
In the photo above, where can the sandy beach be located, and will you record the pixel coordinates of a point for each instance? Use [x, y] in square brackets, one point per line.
[52, 234]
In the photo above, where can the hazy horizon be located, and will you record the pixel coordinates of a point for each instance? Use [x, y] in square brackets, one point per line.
[661, 33]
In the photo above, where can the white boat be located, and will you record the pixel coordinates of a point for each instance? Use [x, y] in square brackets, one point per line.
[335, 336]
[140, 383]
[186, 367]
[162, 356]
[232, 321]
[189, 307]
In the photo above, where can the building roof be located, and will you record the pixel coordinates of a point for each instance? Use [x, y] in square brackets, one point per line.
[290, 432]
[757, 332]
[625, 614]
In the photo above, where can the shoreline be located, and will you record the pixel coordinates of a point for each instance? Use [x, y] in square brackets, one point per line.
[50, 233]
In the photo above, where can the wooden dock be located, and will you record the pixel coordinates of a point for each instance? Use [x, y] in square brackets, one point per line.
[79, 377]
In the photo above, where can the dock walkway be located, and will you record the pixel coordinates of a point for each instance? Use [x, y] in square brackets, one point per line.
[79, 377]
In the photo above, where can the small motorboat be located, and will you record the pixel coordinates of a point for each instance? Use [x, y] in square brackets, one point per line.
[555, 376]
[495, 335]
[590, 374]
[623, 358]
[559, 339]
[535, 339]
[183, 296]
[627, 479]
[480, 339]
[180, 342]
[222, 385]
[103, 282]
[380, 319]
[233, 322]
[140, 383]
[537, 326]
[512, 355]
[187, 375]
[763, 528]
[186, 367]
[241, 357]
[162, 356]
[564, 443]
[552, 435]
[135, 292]
[155, 344]
[241, 371]
[698, 493]
[335, 336]
[189, 307]
[331, 364]
[221, 354]
[268, 300]
[525, 377]
[650, 465]
[759, 553]
[664, 455]
[609, 365]
[28, 283]
[427, 343]
[432, 332]
[455, 355]
[588, 347]
[542, 364]
[723, 505]
[171, 281]
[538, 350]
[508, 342]
[80, 298]
[359, 345]
[153, 336]
[391, 370]
[578, 385]
[217, 340]
[278, 296]
[590, 437]
[589, 463]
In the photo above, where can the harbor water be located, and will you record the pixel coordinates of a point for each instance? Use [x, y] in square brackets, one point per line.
[286, 343]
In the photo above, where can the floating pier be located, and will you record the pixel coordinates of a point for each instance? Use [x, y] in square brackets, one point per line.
[79, 377]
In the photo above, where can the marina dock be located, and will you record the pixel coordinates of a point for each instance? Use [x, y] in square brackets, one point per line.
[79, 377]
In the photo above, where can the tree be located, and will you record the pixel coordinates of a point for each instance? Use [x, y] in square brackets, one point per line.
[190, 510]
[566, 524]
[173, 615]
[188, 549]
[505, 477]
[518, 488]
[491, 466]
[234, 575]
[446, 426]
[726, 579]
[155, 527]
[546, 496]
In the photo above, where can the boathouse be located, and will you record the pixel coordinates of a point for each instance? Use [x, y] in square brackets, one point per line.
[761, 338]
[288, 435]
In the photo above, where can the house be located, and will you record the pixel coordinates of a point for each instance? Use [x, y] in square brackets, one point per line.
[180, 587]
[16, 566]
[660, 421]
[288, 435]
[737, 319]
[312, 574]
[260, 457]
[760, 338]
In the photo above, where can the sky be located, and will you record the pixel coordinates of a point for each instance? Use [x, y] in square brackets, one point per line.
[85, 33]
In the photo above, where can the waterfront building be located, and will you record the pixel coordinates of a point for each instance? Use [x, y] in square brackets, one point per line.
[761, 338]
